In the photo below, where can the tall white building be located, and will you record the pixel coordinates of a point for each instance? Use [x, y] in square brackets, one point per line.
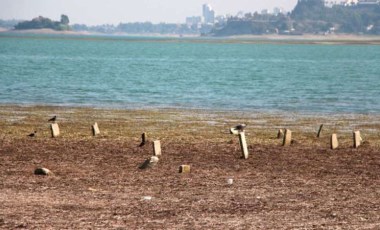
[208, 14]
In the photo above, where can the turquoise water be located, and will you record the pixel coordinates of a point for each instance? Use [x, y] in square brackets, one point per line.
[121, 72]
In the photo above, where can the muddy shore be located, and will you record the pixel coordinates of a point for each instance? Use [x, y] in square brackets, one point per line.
[97, 183]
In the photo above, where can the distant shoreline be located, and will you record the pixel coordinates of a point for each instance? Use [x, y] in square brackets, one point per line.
[271, 38]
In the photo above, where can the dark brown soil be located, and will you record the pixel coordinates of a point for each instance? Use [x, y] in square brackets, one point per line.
[97, 185]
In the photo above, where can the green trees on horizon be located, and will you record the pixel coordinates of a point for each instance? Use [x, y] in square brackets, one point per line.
[45, 23]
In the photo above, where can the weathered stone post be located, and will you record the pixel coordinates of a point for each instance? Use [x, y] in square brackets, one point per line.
[357, 139]
[280, 133]
[243, 145]
[157, 148]
[54, 130]
[95, 129]
[320, 131]
[334, 141]
[287, 138]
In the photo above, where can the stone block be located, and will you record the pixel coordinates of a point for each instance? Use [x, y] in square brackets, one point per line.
[280, 134]
[95, 129]
[156, 148]
[287, 137]
[357, 139]
[243, 145]
[54, 130]
[334, 141]
[184, 169]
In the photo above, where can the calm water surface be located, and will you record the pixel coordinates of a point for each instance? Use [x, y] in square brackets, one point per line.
[156, 73]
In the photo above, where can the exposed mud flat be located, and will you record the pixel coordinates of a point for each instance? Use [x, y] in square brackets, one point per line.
[96, 181]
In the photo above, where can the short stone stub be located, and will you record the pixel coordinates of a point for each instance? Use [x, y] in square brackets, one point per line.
[95, 129]
[184, 169]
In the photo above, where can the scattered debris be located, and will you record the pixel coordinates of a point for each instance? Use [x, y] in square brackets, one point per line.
[33, 134]
[43, 171]
[149, 163]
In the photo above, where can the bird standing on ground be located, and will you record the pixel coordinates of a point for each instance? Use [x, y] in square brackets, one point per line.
[240, 127]
[33, 134]
[53, 119]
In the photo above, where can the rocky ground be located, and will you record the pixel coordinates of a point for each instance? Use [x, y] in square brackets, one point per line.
[97, 183]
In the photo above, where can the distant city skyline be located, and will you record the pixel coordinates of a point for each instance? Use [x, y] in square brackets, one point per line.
[96, 12]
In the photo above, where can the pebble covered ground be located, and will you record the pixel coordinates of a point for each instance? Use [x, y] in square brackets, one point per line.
[96, 182]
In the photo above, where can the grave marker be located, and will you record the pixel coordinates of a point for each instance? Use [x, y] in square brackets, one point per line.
[95, 129]
[280, 133]
[144, 138]
[287, 137]
[54, 130]
[320, 131]
[357, 139]
[334, 141]
[243, 145]
[157, 148]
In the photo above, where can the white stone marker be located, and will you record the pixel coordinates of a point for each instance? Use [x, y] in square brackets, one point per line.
[157, 148]
[334, 141]
[280, 133]
[287, 138]
[95, 129]
[54, 130]
[243, 145]
[357, 139]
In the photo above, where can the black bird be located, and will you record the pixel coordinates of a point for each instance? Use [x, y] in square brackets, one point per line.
[53, 119]
[240, 127]
[32, 134]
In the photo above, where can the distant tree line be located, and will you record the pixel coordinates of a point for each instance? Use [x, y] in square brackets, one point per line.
[44, 23]
[308, 16]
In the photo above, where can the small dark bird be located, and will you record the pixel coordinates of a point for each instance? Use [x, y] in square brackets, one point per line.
[32, 134]
[240, 127]
[53, 119]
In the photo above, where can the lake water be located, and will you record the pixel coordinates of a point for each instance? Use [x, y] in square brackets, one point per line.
[120, 72]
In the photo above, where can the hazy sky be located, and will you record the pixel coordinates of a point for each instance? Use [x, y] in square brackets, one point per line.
[94, 12]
